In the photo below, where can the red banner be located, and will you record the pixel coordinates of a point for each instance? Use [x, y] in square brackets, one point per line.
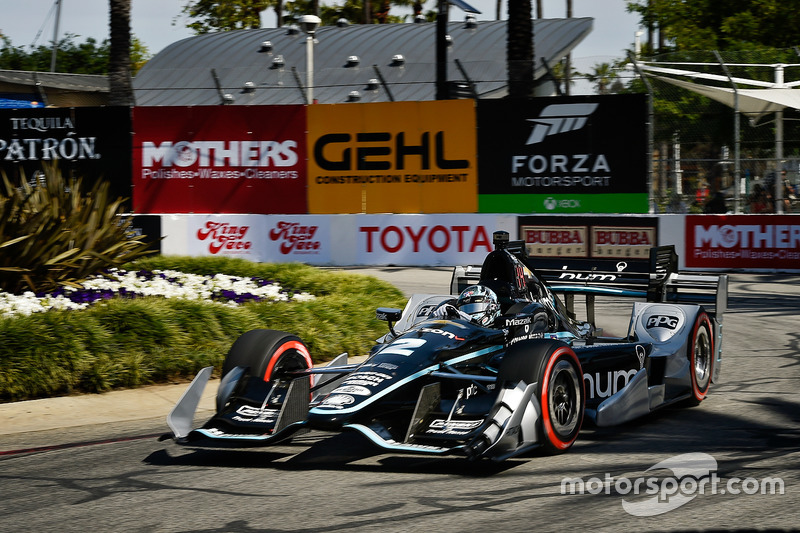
[743, 241]
[219, 159]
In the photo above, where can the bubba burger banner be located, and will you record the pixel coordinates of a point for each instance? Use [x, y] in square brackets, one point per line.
[259, 238]
[606, 237]
[743, 241]
[219, 159]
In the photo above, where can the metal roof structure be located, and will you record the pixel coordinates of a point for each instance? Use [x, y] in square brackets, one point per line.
[55, 88]
[366, 63]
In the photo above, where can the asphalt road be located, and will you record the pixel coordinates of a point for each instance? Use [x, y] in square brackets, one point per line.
[119, 477]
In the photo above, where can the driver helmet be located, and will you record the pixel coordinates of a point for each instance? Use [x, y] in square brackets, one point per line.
[480, 303]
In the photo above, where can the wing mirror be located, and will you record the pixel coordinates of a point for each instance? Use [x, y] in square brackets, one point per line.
[390, 315]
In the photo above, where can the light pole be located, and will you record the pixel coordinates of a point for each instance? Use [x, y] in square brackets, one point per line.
[442, 91]
[309, 24]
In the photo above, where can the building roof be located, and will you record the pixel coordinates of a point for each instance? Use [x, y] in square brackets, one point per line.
[245, 63]
[56, 88]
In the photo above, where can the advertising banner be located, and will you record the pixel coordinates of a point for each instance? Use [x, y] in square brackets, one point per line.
[392, 157]
[261, 238]
[743, 242]
[240, 236]
[90, 143]
[579, 154]
[606, 237]
[219, 159]
[448, 239]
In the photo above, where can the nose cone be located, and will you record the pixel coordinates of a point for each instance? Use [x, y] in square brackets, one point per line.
[334, 411]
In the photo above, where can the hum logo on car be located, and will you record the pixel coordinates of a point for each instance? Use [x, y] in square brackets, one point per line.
[603, 385]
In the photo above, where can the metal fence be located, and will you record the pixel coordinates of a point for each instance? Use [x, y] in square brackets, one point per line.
[694, 138]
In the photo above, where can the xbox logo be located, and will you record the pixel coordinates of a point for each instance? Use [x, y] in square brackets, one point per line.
[550, 203]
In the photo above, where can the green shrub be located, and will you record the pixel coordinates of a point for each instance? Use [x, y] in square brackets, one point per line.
[53, 234]
[128, 343]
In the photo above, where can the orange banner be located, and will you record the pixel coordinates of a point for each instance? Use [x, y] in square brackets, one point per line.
[393, 157]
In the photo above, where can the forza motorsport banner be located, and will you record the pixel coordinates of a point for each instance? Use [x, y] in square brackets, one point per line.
[393, 157]
[743, 241]
[92, 143]
[579, 154]
[219, 159]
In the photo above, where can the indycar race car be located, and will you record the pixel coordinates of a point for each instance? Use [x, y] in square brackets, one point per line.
[440, 382]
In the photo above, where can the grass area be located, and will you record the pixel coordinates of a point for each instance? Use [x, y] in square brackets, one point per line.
[128, 343]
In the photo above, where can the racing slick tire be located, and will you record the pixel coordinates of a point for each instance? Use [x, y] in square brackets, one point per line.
[556, 369]
[268, 353]
[701, 358]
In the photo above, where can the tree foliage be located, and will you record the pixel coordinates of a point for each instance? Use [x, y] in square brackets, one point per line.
[722, 24]
[209, 16]
[88, 57]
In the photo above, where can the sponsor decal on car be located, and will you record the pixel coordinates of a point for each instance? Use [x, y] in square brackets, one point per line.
[452, 427]
[662, 321]
[337, 401]
[443, 333]
[356, 390]
[246, 413]
[369, 379]
[605, 384]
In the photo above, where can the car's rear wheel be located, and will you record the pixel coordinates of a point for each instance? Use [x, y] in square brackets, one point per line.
[701, 357]
[554, 366]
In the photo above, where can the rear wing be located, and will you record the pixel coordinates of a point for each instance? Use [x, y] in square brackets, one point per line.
[653, 280]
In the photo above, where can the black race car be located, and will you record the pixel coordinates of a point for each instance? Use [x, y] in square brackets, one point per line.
[439, 383]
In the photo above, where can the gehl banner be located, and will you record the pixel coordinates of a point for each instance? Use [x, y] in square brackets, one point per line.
[580, 154]
[88, 142]
[395, 157]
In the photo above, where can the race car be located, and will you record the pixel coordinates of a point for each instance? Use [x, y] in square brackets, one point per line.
[509, 371]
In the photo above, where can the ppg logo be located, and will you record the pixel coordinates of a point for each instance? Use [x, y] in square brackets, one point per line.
[662, 321]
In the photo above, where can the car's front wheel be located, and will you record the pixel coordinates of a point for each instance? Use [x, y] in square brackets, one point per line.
[554, 366]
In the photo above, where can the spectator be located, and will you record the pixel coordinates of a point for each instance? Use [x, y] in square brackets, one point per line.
[788, 196]
[759, 201]
[716, 204]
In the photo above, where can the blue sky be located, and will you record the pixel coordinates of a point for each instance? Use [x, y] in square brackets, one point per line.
[152, 22]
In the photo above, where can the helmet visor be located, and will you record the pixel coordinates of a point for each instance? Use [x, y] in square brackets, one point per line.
[475, 308]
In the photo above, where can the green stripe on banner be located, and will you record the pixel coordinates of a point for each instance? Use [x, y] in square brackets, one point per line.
[563, 203]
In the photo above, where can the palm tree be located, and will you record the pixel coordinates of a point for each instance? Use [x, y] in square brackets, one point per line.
[519, 49]
[602, 75]
[119, 56]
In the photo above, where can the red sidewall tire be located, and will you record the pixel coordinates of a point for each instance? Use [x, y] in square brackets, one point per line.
[284, 347]
[554, 441]
[264, 350]
[702, 327]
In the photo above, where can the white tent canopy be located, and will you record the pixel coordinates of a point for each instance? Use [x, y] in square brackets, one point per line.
[767, 97]
[754, 103]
